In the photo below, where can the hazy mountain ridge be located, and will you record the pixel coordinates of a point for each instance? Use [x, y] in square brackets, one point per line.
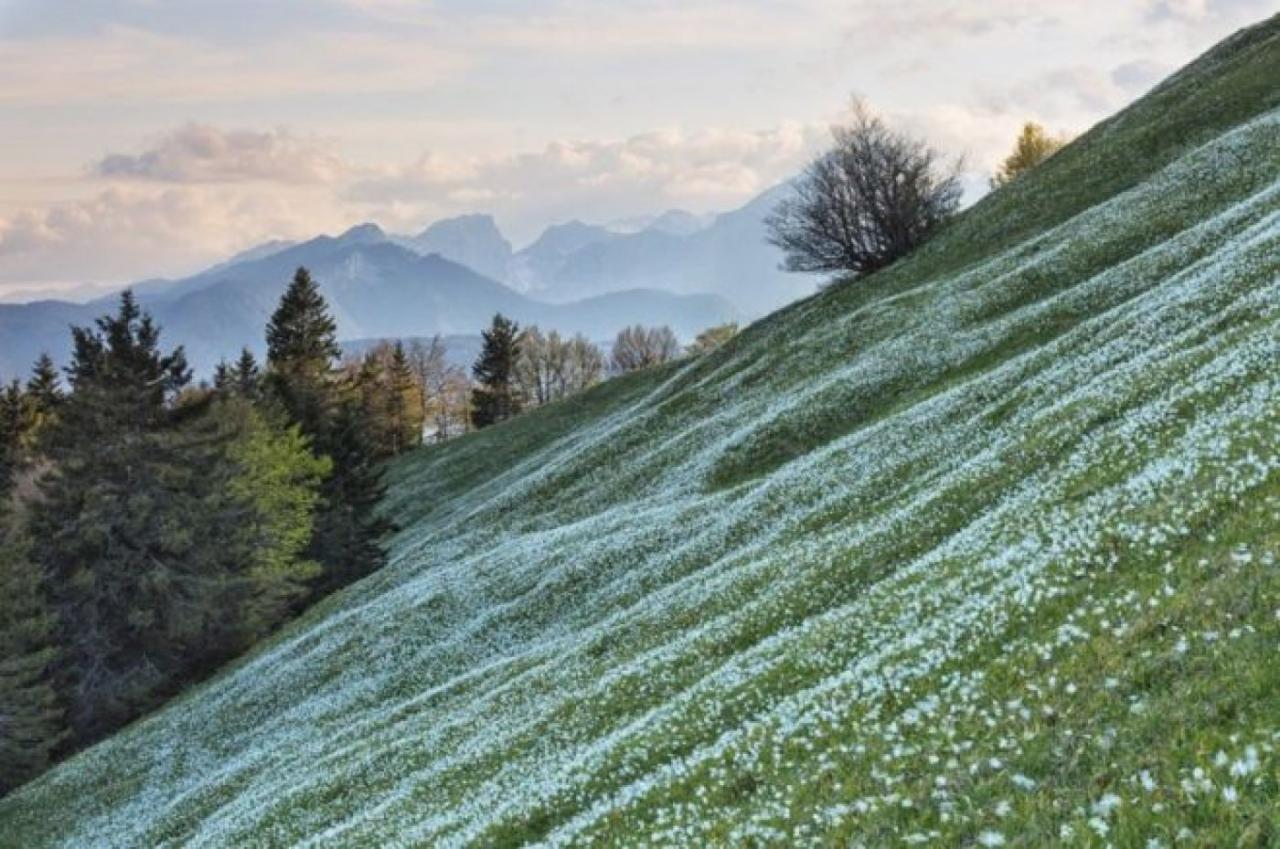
[376, 288]
[677, 269]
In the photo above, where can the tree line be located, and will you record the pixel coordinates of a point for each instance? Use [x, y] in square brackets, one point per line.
[518, 369]
[151, 529]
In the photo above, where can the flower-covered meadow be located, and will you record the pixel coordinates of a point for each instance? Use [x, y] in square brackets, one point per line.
[982, 552]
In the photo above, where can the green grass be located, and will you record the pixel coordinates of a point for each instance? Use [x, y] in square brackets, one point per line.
[980, 549]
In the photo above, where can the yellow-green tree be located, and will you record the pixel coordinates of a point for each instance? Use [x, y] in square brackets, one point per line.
[1034, 145]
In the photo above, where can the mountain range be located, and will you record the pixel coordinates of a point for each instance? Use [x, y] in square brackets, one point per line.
[677, 268]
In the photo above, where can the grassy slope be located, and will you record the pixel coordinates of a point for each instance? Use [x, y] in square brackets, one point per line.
[984, 546]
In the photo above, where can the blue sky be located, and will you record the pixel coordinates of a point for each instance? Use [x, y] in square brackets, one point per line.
[147, 137]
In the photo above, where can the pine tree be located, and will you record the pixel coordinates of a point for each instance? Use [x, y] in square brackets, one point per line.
[31, 726]
[497, 397]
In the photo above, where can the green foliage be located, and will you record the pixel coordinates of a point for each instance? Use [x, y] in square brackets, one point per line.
[279, 478]
[12, 432]
[349, 529]
[169, 525]
[31, 726]
[497, 397]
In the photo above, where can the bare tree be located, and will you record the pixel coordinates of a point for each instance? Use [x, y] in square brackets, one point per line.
[444, 386]
[584, 364]
[870, 200]
[638, 347]
[551, 368]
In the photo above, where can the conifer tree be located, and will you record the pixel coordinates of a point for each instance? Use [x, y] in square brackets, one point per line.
[31, 726]
[302, 350]
[302, 347]
[12, 431]
[222, 380]
[246, 375]
[403, 403]
[114, 528]
[497, 396]
[349, 529]
[44, 394]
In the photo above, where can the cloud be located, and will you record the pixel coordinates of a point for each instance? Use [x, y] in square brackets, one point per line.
[134, 65]
[124, 233]
[711, 168]
[199, 153]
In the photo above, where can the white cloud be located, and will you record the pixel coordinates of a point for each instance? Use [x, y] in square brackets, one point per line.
[704, 169]
[199, 153]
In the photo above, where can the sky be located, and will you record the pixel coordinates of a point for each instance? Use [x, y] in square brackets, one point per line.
[143, 138]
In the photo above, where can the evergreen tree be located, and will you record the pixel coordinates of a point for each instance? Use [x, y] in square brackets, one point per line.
[302, 349]
[31, 726]
[44, 395]
[496, 397]
[243, 377]
[246, 375]
[12, 432]
[349, 529]
[403, 405]
[367, 386]
[115, 530]
[222, 378]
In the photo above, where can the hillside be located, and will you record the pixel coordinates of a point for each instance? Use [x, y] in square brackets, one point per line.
[979, 551]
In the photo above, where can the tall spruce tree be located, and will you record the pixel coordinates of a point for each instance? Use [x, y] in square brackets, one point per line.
[497, 397]
[302, 347]
[302, 352]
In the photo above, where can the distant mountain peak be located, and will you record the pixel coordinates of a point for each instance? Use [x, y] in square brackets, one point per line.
[472, 240]
[363, 234]
[474, 222]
